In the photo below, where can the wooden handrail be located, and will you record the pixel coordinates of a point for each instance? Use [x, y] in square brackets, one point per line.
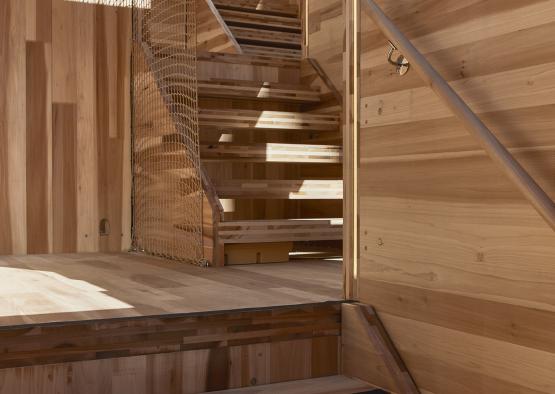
[500, 155]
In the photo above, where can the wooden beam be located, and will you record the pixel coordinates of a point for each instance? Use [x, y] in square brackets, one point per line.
[378, 336]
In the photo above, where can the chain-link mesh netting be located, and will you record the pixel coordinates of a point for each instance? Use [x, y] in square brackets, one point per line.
[167, 190]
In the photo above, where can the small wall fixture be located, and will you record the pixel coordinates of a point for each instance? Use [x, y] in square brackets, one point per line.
[402, 63]
[104, 228]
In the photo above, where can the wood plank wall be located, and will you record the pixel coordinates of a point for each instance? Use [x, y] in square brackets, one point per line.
[456, 261]
[64, 127]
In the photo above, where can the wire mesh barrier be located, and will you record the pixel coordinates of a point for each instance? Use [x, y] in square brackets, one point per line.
[167, 188]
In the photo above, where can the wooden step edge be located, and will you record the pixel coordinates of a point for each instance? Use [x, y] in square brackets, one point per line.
[256, 11]
[271, 189]
[272, 152]
[272, 231]
[261, 91]
[337, 384]
[249, 59]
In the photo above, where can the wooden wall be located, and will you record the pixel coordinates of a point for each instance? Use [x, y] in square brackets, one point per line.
[64, 127]
[173, 354]
[457, 262]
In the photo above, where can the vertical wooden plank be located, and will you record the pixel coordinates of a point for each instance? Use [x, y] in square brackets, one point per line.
[39, 20]
[31, 22]
[64, 178]
[13, 204]
[194, 371]
[87, 148]
[165, 373]
[250, 365]
[129, 375]
[39, 147]
[124, 121]
[64, 80]
[218, 370]
[350, 146]
[325, 356]
[291, 360]
[109, 136]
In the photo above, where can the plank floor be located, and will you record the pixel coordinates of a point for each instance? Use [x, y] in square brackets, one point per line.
[76, 287]
[328, 385]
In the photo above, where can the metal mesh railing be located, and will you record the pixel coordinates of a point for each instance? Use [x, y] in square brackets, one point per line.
[167, 188]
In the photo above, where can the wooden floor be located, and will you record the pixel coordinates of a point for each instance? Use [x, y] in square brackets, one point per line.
[77, 287]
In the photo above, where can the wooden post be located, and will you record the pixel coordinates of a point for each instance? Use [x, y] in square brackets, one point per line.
[351, 126]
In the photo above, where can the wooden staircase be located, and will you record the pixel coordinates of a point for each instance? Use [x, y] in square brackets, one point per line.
[270, 145]
[272, 152]
[264, 29]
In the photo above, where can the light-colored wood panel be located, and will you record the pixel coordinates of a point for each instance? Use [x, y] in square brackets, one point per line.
[496, 365]
[445, 29]
[505, 322]
[13, 235]
[512, 51]
[529, 128]
[87, 145]
[520, 88]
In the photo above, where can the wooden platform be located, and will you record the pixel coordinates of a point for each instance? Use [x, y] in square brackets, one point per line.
[77, 287]
[124, 323]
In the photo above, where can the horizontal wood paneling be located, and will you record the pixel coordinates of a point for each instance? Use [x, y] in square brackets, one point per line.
[65, 127]
[456, 261]
[181, 354]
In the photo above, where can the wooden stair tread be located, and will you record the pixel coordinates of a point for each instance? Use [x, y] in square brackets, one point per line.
[247, 17]
[253, 60]
[258, 90]
[281, 230]
[271, 6]
[272, 152]
[267, 37]
[271, 52]
[328, 385]
[303, 189]
[248, 119]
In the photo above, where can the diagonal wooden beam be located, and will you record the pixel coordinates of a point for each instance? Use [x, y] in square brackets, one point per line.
[384, 345]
